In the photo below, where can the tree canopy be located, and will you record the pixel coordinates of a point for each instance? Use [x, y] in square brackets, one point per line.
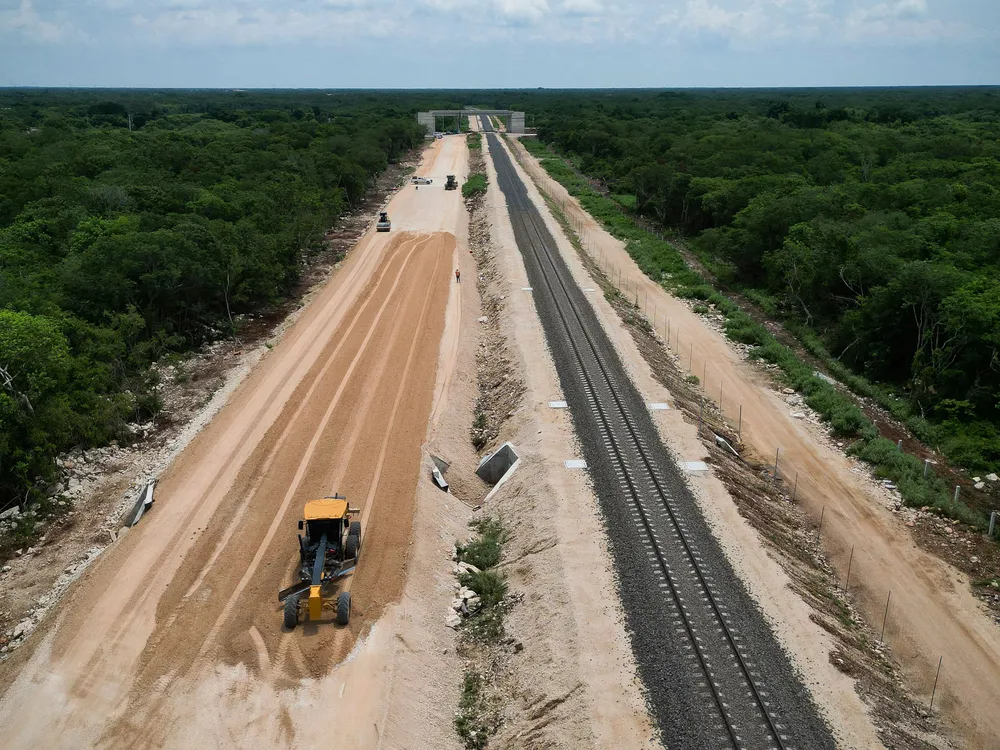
[869, 215]
[136, 223]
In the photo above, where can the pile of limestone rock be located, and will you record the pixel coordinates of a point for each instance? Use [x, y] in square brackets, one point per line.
[466, 601]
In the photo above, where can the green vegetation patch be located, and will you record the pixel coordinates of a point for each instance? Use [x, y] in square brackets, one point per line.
[475, 141]
[475, 185]
[483, 551]
[138, 223]
[865, 220]
[482, 639]
[660, 260]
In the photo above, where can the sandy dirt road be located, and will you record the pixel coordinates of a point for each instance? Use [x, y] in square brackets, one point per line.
[933, 613]
[175, 635]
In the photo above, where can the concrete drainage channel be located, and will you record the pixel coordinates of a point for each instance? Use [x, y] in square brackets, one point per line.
[714, 673]
[142, 504]
[494, 469]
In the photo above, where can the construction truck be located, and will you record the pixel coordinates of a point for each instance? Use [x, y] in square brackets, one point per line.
[383, 224]
[451, 183]
[328, 552]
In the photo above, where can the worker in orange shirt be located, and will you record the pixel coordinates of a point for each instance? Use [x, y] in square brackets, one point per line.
[458, 276]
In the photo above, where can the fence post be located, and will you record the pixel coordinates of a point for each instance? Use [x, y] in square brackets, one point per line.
[885, 616]
[795, 488]
[739, 430]
[930, 708]
[819, 529]
[847, 581]
[993, 521]
[927, 462]
[777, 452]
[957, 489]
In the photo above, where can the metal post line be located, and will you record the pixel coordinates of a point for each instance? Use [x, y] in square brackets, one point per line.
[930, 708]
[850, 563]
[885, 616]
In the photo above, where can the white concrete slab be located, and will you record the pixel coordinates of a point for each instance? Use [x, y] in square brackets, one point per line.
[694, 466]
[659, 407]
[525, 288]
[558, 405]
[577, 463]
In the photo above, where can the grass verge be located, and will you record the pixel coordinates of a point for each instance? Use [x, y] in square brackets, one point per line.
[662, 262]
[481, 642]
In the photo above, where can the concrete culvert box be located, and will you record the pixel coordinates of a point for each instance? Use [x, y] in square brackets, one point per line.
[494, 466]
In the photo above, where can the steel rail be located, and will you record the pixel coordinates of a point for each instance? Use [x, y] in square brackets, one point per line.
[549, 270]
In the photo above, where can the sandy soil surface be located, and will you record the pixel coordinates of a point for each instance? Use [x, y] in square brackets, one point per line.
[933, 613]
[576, 672]
[174, 638]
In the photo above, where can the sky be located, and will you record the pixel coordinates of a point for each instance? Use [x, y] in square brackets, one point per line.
[498, 43]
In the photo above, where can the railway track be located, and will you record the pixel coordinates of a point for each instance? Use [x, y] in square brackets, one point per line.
[715, 677]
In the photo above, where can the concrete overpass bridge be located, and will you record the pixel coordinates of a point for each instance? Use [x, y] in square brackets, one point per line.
[514, 121]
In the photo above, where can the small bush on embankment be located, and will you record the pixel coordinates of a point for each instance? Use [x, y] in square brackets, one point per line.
[474, 141]
[475, 185]
[484, 550]
[481, 643]
[661, 261]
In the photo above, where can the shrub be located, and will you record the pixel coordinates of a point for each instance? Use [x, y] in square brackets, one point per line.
[484, 551]
[475, 185]
[489, 584]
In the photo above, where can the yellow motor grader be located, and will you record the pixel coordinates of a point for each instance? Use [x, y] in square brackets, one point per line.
[327, 552]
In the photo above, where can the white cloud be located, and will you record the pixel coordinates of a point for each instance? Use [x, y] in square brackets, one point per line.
[754, 23]
[582, 7]
[893, 9]
[26, 21]
[745, 24]
[750, 22]
[521, 11]
[901, 22]
[241, 24]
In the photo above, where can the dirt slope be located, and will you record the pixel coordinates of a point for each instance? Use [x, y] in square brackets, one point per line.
[933, 612]
[175, 634]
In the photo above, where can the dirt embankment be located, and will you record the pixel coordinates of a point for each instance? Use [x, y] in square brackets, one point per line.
[501, 387]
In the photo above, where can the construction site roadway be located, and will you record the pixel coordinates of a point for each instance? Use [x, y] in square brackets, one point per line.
[713, 671]
[174, 637]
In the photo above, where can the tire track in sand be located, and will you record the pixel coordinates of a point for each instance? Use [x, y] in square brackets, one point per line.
[151, 707]
[341, 637]
[123, 625]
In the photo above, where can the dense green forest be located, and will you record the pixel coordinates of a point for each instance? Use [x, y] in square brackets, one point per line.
[869, 219]
[138, 223]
